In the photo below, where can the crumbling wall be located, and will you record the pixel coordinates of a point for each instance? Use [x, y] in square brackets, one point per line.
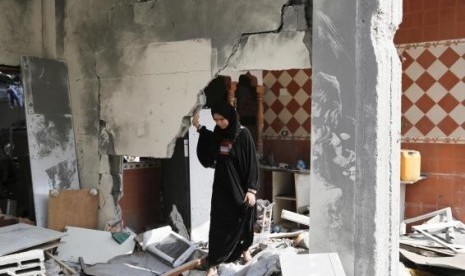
[134, 75]
[21, 30]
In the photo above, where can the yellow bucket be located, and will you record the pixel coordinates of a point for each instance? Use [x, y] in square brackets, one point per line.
[410, 163]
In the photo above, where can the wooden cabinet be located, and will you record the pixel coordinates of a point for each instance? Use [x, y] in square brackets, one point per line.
[290, 191]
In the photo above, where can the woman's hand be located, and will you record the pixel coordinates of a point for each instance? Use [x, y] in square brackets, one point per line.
[250, 199]
[195, 120]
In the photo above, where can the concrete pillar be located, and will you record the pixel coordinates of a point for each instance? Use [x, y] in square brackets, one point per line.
[354, 205]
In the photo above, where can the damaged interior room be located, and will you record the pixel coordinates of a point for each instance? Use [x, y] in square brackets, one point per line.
[353, 114]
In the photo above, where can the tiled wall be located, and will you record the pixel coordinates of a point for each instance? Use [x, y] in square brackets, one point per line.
[287, 104]
[431, 20]
[444, 186]
[431, 43]
[433, 84]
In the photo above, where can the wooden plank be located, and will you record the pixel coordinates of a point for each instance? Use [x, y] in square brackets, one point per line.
[22, 236]
[77, 208]
[66, 267]
[185, 267]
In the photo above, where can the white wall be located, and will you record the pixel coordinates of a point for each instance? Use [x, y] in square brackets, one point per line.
[201, 183]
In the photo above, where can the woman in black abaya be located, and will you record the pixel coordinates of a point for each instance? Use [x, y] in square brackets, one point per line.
[230, 150]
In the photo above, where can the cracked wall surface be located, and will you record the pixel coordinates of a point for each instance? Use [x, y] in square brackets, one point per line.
[137, 67]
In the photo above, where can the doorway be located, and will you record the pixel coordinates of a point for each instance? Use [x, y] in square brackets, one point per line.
[16, 197]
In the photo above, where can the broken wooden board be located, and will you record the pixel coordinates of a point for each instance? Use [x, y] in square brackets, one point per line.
[93, 246]
[22, 236]
[322, 264]
[77, 208]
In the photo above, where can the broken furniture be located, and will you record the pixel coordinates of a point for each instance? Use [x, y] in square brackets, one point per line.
[164, 253]
[290, 190]
[438, 242]
[264, 216]
[442, 215]
[163, 242]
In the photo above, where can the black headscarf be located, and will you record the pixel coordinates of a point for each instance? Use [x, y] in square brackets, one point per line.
[229, 113]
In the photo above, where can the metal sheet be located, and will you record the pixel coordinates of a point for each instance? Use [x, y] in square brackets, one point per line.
[48, 80]
[49, 129]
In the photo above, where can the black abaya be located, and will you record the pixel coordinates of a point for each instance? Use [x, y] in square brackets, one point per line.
[236, 170]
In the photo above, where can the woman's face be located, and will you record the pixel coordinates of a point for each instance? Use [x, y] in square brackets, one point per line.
[220, 121]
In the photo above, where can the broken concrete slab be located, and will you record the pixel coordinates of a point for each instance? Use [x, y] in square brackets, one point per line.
[138, 264]
[93, 246]
[455, 262]
[154, 76]
[321, 264]
[25, 236]
[271, 51]
[142, 263]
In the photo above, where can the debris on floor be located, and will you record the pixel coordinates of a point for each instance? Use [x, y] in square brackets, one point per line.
[436, 245]
[166, 250]
[94, 246]
[26, 237]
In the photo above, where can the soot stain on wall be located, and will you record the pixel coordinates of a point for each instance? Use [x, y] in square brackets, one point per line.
[19, 10]
[52, 134]
[61, 175]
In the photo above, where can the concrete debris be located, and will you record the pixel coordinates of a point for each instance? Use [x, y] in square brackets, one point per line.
[177, 223]
[320, 264]
[438, 243]
[94, 252]
[265, 262]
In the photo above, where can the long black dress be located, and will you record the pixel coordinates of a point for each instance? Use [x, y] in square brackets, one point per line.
[236, 170]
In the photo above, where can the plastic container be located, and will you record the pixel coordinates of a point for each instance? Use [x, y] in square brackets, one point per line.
[410, 165]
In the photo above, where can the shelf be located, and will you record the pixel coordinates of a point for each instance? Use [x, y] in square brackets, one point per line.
[412, 182]
[280, 169]
[283, 197]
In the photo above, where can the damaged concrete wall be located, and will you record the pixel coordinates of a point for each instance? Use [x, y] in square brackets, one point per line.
[137, 107]
[355, 134]
[21, 30]
[119, 108]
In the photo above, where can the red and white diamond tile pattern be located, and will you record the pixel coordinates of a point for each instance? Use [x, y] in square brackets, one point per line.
[433, 86]
[287, 103]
